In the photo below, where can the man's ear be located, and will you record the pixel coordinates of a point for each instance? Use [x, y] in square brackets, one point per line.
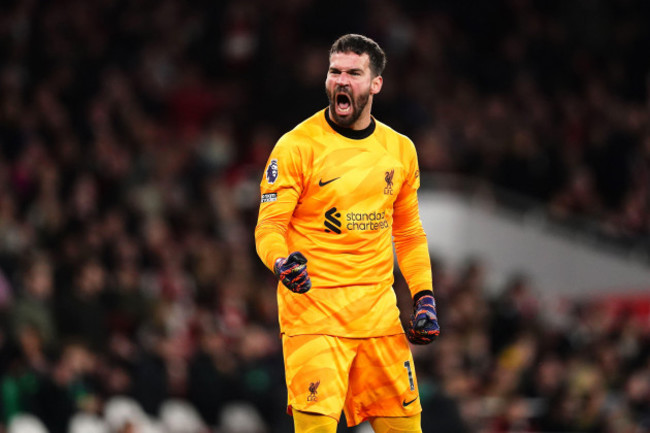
[375, 85]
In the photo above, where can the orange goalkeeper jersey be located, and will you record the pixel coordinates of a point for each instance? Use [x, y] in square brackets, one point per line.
[340, 197]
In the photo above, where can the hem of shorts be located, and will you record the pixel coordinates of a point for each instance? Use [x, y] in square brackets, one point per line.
[352, 422]
[290, 412]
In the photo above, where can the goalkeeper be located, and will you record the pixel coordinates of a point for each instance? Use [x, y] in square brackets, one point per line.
[337, 191]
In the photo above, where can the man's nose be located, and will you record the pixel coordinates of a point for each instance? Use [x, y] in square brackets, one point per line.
[343, 79]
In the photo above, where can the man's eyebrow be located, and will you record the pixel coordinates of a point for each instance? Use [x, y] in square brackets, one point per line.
[336, 69]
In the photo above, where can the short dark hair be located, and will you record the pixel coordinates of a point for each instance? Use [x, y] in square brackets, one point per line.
[360, 44]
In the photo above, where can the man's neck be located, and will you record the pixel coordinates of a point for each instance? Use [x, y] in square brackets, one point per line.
[355, 134]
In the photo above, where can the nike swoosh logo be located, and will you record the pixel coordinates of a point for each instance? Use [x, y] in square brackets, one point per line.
[406, 403]
[321, 183]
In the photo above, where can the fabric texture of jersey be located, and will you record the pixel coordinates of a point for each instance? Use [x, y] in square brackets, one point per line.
[341, 201]
[365, 378]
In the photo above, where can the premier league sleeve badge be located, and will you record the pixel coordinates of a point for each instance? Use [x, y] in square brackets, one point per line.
[272, 171]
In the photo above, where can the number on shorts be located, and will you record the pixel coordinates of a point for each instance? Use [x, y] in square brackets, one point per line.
[407, 365]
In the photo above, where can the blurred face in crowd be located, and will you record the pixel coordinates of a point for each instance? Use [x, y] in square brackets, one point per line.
[39, 280]
[91, 279]
[350, 87]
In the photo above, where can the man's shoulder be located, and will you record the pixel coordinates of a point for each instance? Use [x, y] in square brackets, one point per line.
[383, 128]
[306, 130]
[394, 139]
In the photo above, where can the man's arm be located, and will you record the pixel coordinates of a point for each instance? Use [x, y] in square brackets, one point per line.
[280, 189]
[413, 258]
[411, 242]
[270, 240]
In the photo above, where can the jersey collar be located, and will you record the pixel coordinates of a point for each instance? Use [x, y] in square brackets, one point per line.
[353, 134]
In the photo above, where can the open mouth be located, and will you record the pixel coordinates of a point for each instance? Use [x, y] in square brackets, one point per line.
[343, 104]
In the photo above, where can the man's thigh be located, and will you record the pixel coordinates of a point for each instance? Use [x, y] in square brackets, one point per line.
[382, 381]
[317, 369]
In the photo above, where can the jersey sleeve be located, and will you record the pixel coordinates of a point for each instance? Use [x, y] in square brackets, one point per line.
[280, 188]
[408, 234]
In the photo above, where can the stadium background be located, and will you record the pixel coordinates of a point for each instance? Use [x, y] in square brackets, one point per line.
[133, 135]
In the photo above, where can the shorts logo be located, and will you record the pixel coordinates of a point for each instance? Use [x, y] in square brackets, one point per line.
[271, 196]
[406, 403]
[272, 171]
[332, 222]
[313, 391]
[389, 182]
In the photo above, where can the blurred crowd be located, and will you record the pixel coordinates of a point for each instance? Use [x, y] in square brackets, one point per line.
[511, 363]
[133, 136]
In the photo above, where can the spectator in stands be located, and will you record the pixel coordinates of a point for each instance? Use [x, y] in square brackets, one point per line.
[83, 312]
[33, 308]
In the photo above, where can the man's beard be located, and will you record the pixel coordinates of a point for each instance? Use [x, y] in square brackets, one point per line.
[358, 105]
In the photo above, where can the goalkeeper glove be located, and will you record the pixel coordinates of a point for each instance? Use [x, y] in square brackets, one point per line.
[423, 327]
[292, 271]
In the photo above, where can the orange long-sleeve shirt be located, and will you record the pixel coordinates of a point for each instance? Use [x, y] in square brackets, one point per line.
[340, 198]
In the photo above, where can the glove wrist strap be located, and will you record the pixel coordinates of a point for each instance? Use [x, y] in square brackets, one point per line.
[422, 293]
[277, 264]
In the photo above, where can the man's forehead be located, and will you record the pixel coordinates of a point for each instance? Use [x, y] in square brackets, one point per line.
[349, 59]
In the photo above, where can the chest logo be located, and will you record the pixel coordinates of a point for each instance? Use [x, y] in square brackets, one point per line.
[333, 221]
[389, 182]
[321, 183]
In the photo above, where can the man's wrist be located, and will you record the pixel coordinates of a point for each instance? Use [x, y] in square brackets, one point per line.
[276, 265]
[420, 294]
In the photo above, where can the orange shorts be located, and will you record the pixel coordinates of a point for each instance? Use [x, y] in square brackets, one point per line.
[364, 377]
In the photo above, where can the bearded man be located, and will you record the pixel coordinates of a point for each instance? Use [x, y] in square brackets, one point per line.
[338, 190]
